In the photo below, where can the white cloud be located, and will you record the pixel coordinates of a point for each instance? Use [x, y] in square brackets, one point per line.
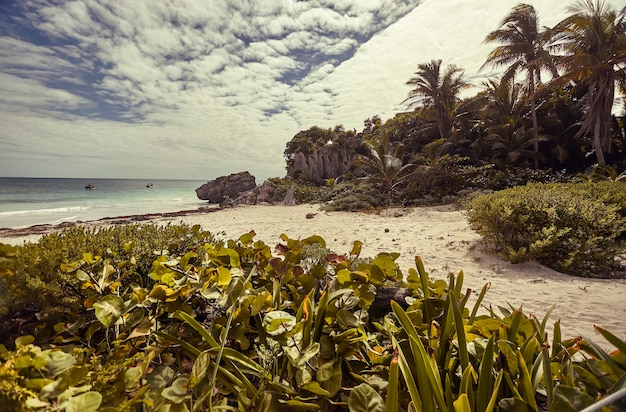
[196, 89]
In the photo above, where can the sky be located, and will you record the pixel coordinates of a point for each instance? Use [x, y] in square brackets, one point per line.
[196, 89]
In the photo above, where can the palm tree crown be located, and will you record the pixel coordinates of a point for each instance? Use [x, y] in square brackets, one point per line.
[523, 49]
[437, 93]
[593, 39]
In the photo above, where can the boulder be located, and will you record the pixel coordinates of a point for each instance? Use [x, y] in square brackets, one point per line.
[231, 185]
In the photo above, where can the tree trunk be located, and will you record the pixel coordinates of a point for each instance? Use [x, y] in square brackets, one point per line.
[533, 115]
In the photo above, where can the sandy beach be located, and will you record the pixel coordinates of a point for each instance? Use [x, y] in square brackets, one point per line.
[445, 242]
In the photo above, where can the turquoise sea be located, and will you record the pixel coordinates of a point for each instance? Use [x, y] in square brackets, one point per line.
[32, 201]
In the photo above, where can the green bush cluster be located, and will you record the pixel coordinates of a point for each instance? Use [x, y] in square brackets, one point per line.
[354, 196]
[37, 269]
[576, 228]
[215, 324]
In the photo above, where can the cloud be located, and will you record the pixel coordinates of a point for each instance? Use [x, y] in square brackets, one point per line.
[197, 89]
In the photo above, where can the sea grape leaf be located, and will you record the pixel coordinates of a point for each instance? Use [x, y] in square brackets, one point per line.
[57, 362]
[314, 387]
[160, 377]
[142, 329]
[109, 309]
[364, 398]
[344, 276]
[330, 377]
[162, 292]
[346, 319]
[132, 377]
[303, 377]
[231, 256]
[85, 402]
[299, 359]
[356, 248]
[314, 239]
[224, 276]
[177, 392]
[278, 322]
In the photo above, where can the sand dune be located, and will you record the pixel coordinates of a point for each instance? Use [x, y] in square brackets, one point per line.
[444, 240]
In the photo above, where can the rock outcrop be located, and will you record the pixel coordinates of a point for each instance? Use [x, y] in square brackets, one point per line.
[324, 163]
[232, 185]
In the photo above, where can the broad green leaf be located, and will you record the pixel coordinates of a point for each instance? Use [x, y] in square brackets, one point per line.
[299, 358]
[177, 392]
[314, 240]
[356, 248]
[278, 322]
[330, 376]
[224, 276]
[364, 398]
[344, 276]
[57, 362]
[247, 238]
[200, 368]
[85, 402]
[314, 387]
[346, 319]
[132, 377]
[109, 309]
[160, 377]
[24, 340]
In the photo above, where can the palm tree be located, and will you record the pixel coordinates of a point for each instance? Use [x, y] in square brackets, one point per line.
[384, 166]
[523, 49]
[593, 38]
[437, 93]
[509, 140]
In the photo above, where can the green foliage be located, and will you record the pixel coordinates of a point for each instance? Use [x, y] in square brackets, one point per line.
[576, 228]
[122, 254]
[228, 324]
[354, 196]
[304, 191]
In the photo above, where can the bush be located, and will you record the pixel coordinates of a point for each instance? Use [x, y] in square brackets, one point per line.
[232, 325]
[35, 280]
[353, 197]
[576, 228]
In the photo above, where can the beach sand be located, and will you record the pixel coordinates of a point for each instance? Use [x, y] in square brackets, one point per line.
[442, 237]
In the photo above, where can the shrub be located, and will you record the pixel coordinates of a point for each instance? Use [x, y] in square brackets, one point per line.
[353, 196]
[36, 282]
[575, 228]
[292, 330]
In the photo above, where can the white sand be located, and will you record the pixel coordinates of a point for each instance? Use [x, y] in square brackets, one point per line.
[443, 239]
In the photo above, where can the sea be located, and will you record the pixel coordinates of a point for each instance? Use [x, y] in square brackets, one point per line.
[34, 201]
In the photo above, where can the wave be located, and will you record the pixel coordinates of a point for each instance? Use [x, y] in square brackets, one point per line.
[43, 211]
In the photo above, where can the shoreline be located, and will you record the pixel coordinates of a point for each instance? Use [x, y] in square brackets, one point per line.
[440, 235]
[42, 229]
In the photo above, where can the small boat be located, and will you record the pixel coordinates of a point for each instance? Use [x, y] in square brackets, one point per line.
[149, 185]
[90, 187]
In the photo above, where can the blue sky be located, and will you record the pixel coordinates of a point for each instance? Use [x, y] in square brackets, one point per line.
[198, 89]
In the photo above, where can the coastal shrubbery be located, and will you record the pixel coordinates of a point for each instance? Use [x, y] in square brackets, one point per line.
[577, 228]
[229, 324]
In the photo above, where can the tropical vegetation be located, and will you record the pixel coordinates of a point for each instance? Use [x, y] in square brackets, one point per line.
[174, 318]
[139, 318]
[553, 109]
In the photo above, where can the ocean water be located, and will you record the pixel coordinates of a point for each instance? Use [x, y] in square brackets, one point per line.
[32, 201]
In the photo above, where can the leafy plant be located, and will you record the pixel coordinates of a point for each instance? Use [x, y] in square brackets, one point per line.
[574, 228]
[227, 324]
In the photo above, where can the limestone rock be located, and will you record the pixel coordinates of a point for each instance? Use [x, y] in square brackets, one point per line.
[324, 163]
[231, 186]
